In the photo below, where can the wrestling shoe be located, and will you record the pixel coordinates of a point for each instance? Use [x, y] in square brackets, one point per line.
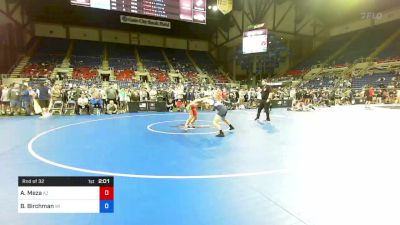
[221, 134]
[231, 127]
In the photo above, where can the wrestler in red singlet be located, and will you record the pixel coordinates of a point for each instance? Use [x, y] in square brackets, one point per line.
[193, 107]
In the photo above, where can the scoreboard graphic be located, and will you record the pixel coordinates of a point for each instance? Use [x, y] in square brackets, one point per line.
[255, 41]
[184, 10]
[65, 194]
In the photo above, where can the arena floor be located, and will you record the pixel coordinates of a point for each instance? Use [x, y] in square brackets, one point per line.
[337, 165]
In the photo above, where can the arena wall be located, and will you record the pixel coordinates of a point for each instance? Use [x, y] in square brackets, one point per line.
[134, 37]
[151, 40]
[50, 30]
[176, 43]
[117, 36]
[84, 33]
[197, 45]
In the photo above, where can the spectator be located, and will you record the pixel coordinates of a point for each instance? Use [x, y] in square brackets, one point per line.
[135, 96]
[112, 94]
[143, 95]
[123, 97]
[112, 108]
[83, 104]
[43, 94]
[97, 104]
[369, 94]
[5, 100]
[56, 93]
[397, 96]
[26, 99]
[170, 105]
[153, 94]
[15, 99]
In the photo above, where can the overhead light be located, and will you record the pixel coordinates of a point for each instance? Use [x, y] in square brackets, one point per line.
[215, 8]
[199, 3]
[210, 7]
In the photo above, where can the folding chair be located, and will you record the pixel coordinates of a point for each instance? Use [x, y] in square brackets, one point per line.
[57, 108]
[70, 108]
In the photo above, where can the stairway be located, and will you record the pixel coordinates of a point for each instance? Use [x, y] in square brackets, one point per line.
[138, 60]
[66, 62]
[16, 73]
[171, 68]
[199, 71]
[105, 63]
[385, 44]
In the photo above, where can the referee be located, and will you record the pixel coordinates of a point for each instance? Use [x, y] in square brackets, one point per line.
[264, 102]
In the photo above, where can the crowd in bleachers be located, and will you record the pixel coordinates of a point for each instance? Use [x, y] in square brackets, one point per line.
[93, 97]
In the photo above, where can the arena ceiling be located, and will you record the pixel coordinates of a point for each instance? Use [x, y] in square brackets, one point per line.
[334, 12]
[328, 12]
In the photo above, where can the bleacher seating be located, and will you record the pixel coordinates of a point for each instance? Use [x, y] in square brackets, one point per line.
[372, 79]
[160, 76]
[205, 62]
[181, 63]
[152, 58]
[121, 57]
[326, 81]
[221, 78]
[325, 50]
[85, 73]
[124, 75]
[50, 51]
[391, 51]
[42, 70]
[87, 54]
[180, 60]
[364, 45]
[192, 77]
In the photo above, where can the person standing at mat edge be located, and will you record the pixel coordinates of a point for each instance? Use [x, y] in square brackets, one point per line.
[369, 93]
[264, 102]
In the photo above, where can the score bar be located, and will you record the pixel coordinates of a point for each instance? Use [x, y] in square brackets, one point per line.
[65, 194]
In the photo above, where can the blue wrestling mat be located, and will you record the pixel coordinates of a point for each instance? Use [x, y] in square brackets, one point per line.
[320, 167]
